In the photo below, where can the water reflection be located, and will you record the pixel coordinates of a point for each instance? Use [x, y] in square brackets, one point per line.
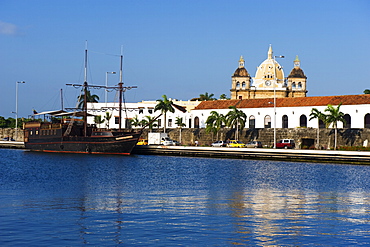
[149, 200]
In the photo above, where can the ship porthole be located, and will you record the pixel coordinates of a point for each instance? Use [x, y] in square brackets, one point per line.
[61, 146]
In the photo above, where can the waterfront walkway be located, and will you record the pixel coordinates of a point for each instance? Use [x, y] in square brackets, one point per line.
[302, 155]
[11, 144]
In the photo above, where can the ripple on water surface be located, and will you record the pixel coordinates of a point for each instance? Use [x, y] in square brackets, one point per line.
[52, 199]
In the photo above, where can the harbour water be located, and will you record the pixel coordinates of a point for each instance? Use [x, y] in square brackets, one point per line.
[145, 200]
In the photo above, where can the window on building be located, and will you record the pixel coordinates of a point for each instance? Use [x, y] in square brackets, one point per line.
[141, 111]
[285, 121]
[150, 111]
[367, 120]
[267, 121]
[303, 121]
[252, 122]
[240, 97]
[190, 123]
[243, 85]
[170, 123]
[116, 120]
[299, 85]
[159, 123]
[347, 124]
[237, 85]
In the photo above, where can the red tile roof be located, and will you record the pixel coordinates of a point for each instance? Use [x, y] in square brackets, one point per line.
[287, 102]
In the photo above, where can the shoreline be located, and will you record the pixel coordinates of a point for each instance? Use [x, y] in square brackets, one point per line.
[12, 144]
[292, 155]
[295, 155]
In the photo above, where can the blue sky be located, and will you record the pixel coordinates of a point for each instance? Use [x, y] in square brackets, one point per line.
[177, 48]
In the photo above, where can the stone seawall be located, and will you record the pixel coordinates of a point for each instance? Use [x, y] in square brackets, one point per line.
[304, 137]
[10, 132]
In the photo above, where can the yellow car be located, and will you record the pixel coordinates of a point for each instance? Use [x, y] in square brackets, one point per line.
[235, 144]
[142, 142]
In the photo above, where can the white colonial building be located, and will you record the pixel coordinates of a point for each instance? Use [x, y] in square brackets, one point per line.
[290, 112]
[141, 110]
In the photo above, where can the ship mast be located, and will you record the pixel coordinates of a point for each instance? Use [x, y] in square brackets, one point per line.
[85, 86]
[85, 94]
[120, 93]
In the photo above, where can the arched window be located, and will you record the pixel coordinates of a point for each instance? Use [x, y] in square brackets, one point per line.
[303, 121]
[190, 123]
[285, 121]
[237, 85]
[293, 85]
[196, 122]
[252, 122]
[299, 85]
[367, 120]
[347, 118]
[243, 85]
[267, 121]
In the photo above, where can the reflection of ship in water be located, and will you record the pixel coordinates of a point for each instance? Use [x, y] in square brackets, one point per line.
[72, 135]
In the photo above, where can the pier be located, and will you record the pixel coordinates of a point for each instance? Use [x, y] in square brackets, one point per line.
[298, 155]
[11, 144]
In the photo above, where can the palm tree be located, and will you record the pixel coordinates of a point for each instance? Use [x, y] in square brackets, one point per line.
[150, 122]
[206, 97]
[320, 116]
[223, 96]
[236, 117]
[333, 117]
[98, 120]
[164, 106]
[214, 122]
[135, 121]
[89, 98]
[107, 117]
[180, 124]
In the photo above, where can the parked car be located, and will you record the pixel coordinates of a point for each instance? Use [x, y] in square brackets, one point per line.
[218, 144]
[8, 139]
[285, 143]
[176, 143]
[165, 141]
[142, 142]
[235, 144]
[254, 144]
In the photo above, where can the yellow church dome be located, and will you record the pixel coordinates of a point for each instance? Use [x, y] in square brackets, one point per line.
[270, 69]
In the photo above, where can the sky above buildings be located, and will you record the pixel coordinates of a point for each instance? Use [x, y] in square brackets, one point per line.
[178, 48]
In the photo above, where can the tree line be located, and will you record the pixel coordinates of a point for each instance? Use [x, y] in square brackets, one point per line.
[237, 118]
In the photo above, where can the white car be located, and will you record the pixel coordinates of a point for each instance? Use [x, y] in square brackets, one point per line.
[218, 144]
[167, 141]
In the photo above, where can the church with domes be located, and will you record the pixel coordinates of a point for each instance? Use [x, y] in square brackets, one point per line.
[269, 80]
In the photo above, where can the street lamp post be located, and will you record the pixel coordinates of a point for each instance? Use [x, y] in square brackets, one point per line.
[106, 84]
[276, 80]
[16, 108]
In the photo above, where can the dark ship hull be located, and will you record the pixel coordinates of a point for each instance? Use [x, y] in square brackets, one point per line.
[45, 138]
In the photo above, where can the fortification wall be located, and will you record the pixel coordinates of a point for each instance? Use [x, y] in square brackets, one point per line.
[304, 137]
